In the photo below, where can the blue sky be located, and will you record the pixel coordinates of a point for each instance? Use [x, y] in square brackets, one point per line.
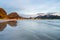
[29, 7]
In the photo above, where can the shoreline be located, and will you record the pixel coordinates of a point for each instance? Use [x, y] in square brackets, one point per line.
[28, 19]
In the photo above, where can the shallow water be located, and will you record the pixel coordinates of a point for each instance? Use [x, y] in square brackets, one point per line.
[30, 30]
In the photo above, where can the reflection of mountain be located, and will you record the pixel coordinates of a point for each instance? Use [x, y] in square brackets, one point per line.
[4, 24]
[12, 23]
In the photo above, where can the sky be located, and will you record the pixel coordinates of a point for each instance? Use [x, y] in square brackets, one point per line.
[30, 7]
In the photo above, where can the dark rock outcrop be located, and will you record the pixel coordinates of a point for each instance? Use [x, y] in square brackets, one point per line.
[48, 17]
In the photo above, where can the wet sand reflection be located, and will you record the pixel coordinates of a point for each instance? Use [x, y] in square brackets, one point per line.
[4, 24]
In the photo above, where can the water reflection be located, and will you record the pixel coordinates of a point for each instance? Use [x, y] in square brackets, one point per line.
[4, 24]
[30, 30]
[12, 23]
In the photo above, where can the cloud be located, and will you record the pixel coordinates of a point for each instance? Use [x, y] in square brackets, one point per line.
[30, 6]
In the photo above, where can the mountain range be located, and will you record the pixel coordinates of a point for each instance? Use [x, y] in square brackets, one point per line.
[15, 15]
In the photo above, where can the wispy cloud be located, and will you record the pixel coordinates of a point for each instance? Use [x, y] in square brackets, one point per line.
[31, 6]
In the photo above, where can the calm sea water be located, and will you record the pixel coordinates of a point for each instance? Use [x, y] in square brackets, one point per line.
[30, 30]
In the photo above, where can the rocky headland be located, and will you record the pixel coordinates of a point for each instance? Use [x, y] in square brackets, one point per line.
[13, 15]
